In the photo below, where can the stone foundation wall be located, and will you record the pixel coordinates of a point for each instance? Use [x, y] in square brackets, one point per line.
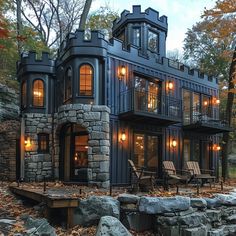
[95, 119]
[37, 166]
[9, 137]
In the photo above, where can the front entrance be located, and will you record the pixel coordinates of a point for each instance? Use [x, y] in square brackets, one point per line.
[74, 154]
[147, 149]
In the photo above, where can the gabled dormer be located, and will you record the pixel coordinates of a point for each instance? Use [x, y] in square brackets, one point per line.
[146, 30]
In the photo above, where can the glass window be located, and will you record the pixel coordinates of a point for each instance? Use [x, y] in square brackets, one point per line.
[206, 107]
[136, 36]
[152, 41]
[38, 93]
[139, 149]
[86, 80]
[23, 94]
[122, 36]
[43, 143]
[67, 85]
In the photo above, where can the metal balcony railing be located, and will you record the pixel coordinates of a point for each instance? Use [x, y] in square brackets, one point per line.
[145, 102]
[204, 115]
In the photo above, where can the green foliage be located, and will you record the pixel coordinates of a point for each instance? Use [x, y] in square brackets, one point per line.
[102, 19]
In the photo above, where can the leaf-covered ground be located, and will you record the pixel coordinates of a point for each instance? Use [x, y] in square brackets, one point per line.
[14, 209]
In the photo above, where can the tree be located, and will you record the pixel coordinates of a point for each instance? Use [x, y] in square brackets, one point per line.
[102, 19]
[52, 19]
[84, 15]
[212, 44]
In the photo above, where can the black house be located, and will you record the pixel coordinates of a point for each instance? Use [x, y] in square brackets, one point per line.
[101, 103]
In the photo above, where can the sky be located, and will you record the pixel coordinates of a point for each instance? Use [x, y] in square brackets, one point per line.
[182, 14]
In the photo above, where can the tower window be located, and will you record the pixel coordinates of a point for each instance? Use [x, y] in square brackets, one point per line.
[152, 41]
[136, 37]
[38, 93]
[86, 80]
[43, 143]
[23, 94]
[67, 83]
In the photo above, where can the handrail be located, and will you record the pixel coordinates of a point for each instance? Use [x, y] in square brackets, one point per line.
[148, 102]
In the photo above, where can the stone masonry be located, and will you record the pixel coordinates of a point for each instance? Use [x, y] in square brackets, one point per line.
[94, 118]
[37, 166]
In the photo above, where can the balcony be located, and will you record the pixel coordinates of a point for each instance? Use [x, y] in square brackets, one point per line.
[139, 105]
[205, 121]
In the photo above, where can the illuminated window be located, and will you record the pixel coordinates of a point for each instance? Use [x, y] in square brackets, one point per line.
[86, 80]
[152, 41]
[67, 85]
[43, 143]
[23, 94]
[38, 93]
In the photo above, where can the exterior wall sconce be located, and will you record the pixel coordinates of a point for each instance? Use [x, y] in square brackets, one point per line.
[122, 72]
[205, 103]
[216, 147]
[123, 136]
[173, 143]
[27, 142]
[170, 85]
[216, 101]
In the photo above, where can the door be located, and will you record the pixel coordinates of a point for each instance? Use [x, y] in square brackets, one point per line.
[79, 157]
[147, 151]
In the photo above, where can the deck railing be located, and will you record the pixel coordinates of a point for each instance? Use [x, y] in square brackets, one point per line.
[145, 102]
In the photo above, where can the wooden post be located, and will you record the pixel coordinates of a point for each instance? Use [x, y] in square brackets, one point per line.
[177, 189]
[70, 222]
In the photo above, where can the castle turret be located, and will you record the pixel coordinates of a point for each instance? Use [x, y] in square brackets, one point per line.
[146, 30]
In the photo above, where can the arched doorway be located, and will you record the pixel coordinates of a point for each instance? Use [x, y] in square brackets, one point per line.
[73, 162]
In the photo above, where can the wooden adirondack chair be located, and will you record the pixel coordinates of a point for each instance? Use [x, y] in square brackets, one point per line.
[174, 176]
[141, 179]
[200, 174]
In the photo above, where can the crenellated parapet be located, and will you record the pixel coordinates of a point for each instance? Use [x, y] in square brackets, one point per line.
[29, 62]
[132, 54]
[150, 16]
[79, 42]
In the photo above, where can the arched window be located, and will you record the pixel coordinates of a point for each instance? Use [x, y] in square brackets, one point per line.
[67, 83]
[23, 94]
[86, 80]
[38, 93]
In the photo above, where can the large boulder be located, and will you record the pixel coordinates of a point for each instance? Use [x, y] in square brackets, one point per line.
[193, 220]
[128, 198]
[198, 203]
[93, 208]
[212, 202]
[39, 227]
[160, 205]
[226, 199]
[111, 226]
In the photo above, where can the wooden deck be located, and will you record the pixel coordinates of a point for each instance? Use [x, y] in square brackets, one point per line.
[51, 200]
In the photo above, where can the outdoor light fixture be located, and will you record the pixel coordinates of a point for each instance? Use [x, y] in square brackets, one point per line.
[174, 143]
[123, 136]
[170, 85]
[27, 142]
[216, 101]
[216, 147]
[205, 103]
[122, 71]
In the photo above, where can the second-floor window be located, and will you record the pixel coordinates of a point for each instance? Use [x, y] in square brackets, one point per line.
[23, 94]
[38, 93]
[86, 80]
[67, 83]
[136, 36]
[152, 41]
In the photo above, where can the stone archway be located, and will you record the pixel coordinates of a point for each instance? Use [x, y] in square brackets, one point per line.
[95, 119]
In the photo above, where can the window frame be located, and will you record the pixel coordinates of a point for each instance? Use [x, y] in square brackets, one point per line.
[92, 81]
[66, 97]
[157, 43]
[134, 38]
[40, 150]
[32, 90]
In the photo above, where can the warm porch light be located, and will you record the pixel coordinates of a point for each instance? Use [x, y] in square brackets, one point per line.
[170, 85]
[216, 101]
[122, 71]
[216, 147]
[123, 136]
[27, 142]
[174, 143]
[205, 103]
